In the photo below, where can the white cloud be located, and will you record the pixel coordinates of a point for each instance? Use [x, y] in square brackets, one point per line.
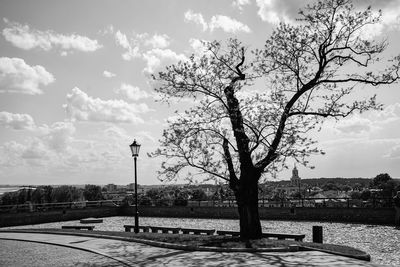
[196, 44]
[54, 150]
[121, 136]
[35, 150]
[275, 11]
[156, 58]
[394, 152]
[48, 146]
[18, 77]
[199, 47]
[122, 39]
[107, 30]
[197, 18]
[240, 3]
[227, 24]
[132, 48]
[108, 74]
[389, 112]
[372, 125]
[132, 92]
[58, 136]
[16, 121]
[138, 42]
[158, 41]
[224, 23]
[116, 133]
[152, 49]
[390, 19]
[22, 36]
[391, 14]
[354, 125]
[81, 107]
[11, 154]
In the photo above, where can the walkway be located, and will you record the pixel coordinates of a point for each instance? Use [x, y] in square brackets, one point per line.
[33, 249]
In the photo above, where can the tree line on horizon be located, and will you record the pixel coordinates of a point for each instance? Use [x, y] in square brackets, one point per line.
[50, 194]
[360, 188]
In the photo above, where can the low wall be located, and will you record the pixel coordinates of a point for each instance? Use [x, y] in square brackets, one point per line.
[26, 218]
[384, 216]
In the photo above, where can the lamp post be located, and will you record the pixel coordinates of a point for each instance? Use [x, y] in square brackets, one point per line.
[135, 147]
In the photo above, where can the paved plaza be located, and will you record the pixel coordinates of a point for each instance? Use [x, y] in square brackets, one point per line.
[35, 249]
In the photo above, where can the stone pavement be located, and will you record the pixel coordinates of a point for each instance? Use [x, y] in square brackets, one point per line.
[108, 252]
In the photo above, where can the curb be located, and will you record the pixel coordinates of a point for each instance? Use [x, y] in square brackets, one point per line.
[363, 257]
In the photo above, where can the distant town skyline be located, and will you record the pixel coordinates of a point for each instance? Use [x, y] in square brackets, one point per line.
[75, 88]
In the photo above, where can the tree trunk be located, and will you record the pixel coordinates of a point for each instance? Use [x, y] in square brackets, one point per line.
[247, 200]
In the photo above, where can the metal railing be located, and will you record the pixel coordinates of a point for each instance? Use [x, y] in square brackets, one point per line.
[32, 207]
[263, 202]
[303, 202]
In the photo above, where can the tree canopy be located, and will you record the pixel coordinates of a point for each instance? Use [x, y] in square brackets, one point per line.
[310, 70]
[92, 192]
[380, 180]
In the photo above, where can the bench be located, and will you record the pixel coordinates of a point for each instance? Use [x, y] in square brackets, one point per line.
[78, 227]
[91, 220]
[197, 231]
[143, 229]
[164, 230]
[296, 237]
[231, 233]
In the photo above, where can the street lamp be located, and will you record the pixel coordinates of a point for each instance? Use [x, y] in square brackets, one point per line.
[135, 147]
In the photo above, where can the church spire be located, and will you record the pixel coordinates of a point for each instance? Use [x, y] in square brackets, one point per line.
[295, 176]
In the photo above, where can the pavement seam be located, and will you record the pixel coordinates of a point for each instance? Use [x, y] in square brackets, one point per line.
[80, 241]
[125, 262]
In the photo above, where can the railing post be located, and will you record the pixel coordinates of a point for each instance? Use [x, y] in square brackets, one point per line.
[317, 234]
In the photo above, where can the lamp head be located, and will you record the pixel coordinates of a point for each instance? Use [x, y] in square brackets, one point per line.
[135, 147]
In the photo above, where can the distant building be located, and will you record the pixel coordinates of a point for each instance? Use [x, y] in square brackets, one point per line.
[294, 186]
[130, 186]
[111, 187]
[142, 190]
[295, 180]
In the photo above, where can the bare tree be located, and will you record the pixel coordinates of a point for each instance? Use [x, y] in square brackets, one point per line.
[237, 133]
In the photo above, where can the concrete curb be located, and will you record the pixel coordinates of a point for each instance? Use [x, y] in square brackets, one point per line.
[364, 257]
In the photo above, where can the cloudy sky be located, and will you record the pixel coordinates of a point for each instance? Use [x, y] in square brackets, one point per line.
[74, 87]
